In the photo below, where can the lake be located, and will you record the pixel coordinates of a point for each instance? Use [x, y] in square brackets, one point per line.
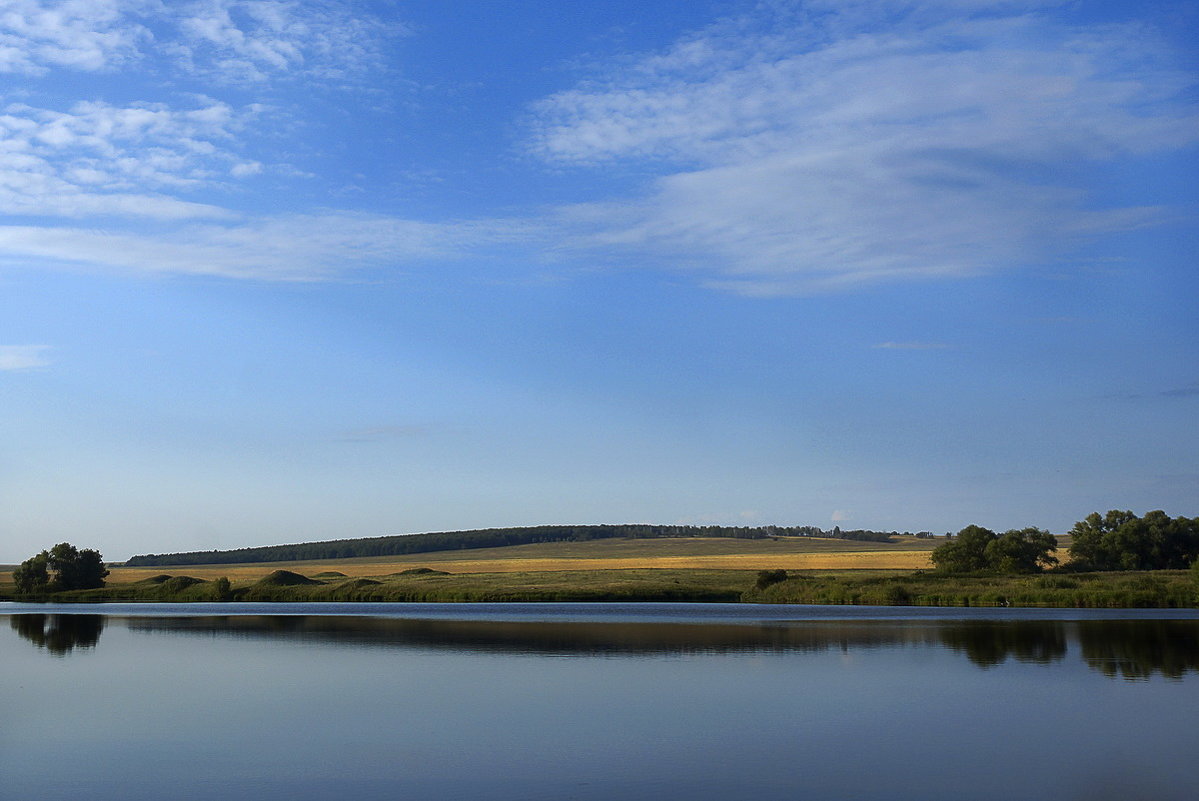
[596, 701]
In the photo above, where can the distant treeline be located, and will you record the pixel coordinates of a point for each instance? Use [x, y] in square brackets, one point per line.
[405, 544]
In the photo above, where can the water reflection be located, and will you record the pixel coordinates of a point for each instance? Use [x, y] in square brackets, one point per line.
[1136, 649]
[1128, 649]
[555, 638]
[988, 644]
[59, 634]
[1124, 649]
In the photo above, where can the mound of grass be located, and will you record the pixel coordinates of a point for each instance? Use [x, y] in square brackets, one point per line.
[175, 584]
[159, 579]
[358, 583]
[421, 571]
[330, 574]
[284, 578]
[355, 589]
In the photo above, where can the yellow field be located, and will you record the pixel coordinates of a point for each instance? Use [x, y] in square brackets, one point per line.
[614, 554]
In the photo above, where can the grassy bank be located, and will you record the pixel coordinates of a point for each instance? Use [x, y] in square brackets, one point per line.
[1140, 589]
[1158, 589]
[425, 584]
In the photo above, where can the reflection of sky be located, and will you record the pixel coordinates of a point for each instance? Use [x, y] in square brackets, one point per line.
[886, 714]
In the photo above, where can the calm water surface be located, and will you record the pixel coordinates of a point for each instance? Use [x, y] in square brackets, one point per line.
[595, 701]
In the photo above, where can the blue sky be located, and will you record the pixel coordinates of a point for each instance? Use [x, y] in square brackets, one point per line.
[283, 271]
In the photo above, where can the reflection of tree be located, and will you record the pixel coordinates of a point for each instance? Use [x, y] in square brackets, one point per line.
[1136, 649]
[59, 634]
[988, 643]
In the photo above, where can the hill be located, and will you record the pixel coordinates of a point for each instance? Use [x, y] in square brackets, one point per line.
[406, 544]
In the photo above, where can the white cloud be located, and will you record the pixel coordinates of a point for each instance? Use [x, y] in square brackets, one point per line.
[89, 35]
[245, 169]
[232, 41]
[23, 357]
[840, 515]
[101, 159]
[826, 151]
[239, 41]
[291, 248]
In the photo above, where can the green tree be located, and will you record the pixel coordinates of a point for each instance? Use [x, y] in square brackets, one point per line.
[63, 567]
[1119, 540]
[90, 571]
[1027, 550]
[32, 576]
[965, 553]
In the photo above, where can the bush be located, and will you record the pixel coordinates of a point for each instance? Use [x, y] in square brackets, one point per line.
[769, 577]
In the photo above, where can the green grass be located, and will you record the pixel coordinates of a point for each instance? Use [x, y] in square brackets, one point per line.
[1141, 589]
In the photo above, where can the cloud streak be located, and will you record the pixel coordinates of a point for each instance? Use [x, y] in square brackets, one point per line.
[307, 247]
[911, 346]
[383, 433]
[23, 357]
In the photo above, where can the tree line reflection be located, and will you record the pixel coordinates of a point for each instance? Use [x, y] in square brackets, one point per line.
[1128, 649]
[1125, 649]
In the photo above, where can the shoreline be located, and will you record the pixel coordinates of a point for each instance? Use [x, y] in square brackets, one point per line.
[1162, 589]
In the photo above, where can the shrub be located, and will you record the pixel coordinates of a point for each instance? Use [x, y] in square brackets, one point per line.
[768, 577]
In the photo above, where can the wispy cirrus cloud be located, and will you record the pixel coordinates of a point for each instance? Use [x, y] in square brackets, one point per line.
[23, 357]
[230, 41]
[247, 41]
[1184, 392]
[821, 151]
